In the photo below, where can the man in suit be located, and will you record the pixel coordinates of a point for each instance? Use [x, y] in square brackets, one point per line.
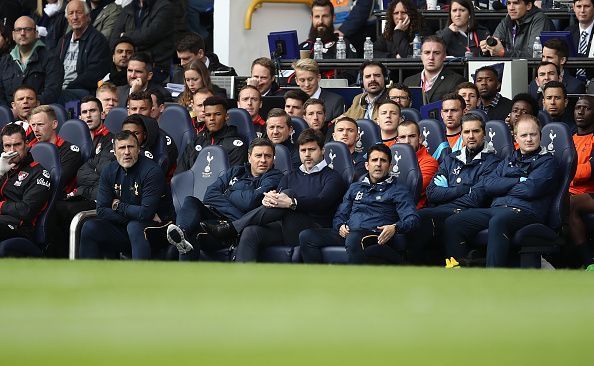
[581, 32]
[139, 75]
[307, 77]
[434, 79]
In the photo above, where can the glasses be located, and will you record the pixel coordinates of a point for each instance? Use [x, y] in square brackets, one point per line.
[26, 29]
[397, 97]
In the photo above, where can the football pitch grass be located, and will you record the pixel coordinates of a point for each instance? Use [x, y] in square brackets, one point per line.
[155, 313]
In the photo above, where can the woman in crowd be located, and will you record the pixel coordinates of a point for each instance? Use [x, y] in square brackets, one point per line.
[403, 21]
[5, 40]
[196, 77]
[463, 34]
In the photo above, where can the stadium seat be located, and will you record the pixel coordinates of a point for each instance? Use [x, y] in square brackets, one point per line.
[61, 114]
[480, 113]
[405, 168]
[299, 125]
[5, 116]
[369, 134]
[434, 138]
[177, 123]
[498, 136]
[411, 114]
[115, 118]
[339, 158]
[241, 119]
[47, 155]
[544, 118]
[282, 159]
[77, 132]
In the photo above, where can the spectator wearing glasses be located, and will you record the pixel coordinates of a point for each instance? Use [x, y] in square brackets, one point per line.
[400, 94]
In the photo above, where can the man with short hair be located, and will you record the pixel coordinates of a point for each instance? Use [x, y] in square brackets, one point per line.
[410, 133]
[279, 130]
[216, 132]
[107, 93]
[346, 131]
[516, 33]
[314, 114]
[25, 193]
[91, 112]
[250, 99]
[521, 187]
[83, 51]
[158, 100]
[581, 32]
[294, 100]
[30, 63]
[434, 79]
[23, 101]
[122, 52]
[470, 93]
[322, 26]
[132, 196]
[452, 110]
[373, 76]
[140, 102]
[400, 94]
[140, 78]
[523, 103]
[198, 108]
[307, 77]
[491, 101]
[555, 51]
[388, 119]
[377, 206]
[263, 77]
[239, 190]
[555, 102]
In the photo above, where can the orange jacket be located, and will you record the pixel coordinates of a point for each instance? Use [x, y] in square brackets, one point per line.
[428, 167]
[582, 181]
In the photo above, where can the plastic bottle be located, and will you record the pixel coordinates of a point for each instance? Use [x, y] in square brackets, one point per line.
[318, 49]
[537, 49]
[417, 46]
[368, 49]
[340, 49]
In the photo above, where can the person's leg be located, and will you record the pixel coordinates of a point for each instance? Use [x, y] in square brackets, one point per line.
[422, 240]
[59, 226]
[254, 238]
[459, 229]
[20, 248]
[183, 234]
[101, 239]
[313, 240]
[141, 248]
[504, 223]
[353, 245]
[293, 224]
[580, 205]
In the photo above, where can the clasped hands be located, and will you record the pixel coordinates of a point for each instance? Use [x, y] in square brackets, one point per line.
[276, 199]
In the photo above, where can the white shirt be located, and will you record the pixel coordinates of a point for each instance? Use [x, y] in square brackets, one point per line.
[317, 93]
[318, 167]
[70, 59]
[589, 34]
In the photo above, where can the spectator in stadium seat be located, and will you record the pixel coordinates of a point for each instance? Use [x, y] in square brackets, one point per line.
[523, 103]
[24, 100]
[463, 34]
[314, 113]
[104, 14]
[250, 99]
[197, 112]
[307, 77]
[492, 102]
[362, 214]
[30, 63]
[107, 93]
[555, 102]
[53, 21]
[294, 100]
[522, 189]
[25, 192]
[217, 132]
[457, 185]
[346, 130]
[263, 77]
[190, 48]
[582, 186]
[84, 51]
[44, 124]
[452, 110]
[518, 30]
[388, 119]
[403, 21]
[470, 93]
[148, 24]
[91, 112]
[239, 190]
[279, 130]
[434, 79]
[196, 76]
[140, 78]
[584, 13]
[305, 198]
[410, 133]
[400, 94]
[132, 196]
[158, 103]
[122, 52]
[374, 76]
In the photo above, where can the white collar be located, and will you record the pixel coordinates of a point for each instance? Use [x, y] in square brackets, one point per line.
[206, 61]
[318, 167]
[317, 93]
[589, 29]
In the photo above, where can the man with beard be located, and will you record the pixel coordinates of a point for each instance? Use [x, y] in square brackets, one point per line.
[492, 102]
[452, 110]
[374, 75]
[555, 102]
[122, 52]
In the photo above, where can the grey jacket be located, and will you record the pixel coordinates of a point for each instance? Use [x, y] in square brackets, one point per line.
[530, 26]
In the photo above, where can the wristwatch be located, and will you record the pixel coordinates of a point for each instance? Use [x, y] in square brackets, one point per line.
[115, 205]
[293, 204]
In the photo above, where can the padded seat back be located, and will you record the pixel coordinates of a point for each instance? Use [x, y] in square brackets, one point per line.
[241, 119]
[282, 159]
[405, 168]
[338, 157]
[61, 114]
[369, 134]
[77, 132]
[498, 136]
[544, 117]
[115, 118]
[299, 125]
[46, 154]
[410, 114]
[177, 123]
[480, 113]
[434, 135]
[5, 116]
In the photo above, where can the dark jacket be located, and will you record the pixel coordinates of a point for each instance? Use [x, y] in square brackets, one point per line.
[215, 67]
[142, 192]
[457, 43]
[87, 178]
[227, 137]
[333, 103]
[55, 25]
[530, 26]
[445, 83]
[94, 58]
[465, 179]
[158, 146]
[24, 192]
[44, 73]
[152, 32]
[367, 206]
[574, 30]
[398, 45]
[533, 195]
[70, 159]
[294, 151]
[238, 191]
[572, 85]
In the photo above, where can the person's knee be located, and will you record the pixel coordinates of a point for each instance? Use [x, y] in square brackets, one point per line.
[91, 229]
[250, 236]
[307, 238]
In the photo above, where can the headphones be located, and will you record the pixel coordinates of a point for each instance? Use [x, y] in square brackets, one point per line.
[385, 72]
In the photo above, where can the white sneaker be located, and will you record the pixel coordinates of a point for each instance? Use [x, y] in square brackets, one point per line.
[175, 236]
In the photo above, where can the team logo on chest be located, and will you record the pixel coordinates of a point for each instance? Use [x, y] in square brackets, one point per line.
[20, 178]
[456, 170]
[359, 196]
[233, 181]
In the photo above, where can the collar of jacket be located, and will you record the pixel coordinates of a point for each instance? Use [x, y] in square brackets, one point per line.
[387, 180]
[461, 154]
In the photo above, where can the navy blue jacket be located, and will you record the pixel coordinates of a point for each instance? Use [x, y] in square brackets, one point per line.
[141, 189]
[367, 206]
[535, 194]
[465, 179]
[317, 194]
[238, 191]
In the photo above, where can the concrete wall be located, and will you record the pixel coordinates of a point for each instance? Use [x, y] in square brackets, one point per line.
[237, 46]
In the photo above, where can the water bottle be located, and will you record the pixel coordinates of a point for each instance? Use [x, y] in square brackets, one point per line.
[340, 48]
[368, 49]
[318, 49]
[537, 49]
[417, 46]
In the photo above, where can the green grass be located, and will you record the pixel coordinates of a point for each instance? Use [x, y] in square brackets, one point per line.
[100, 313]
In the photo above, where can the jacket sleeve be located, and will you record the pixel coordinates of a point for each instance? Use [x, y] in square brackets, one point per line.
[380, 47]
[537, 26]
[87, 179]
[326, 199]
[34, 198]
[158, 28]
[408, 219]
[105, 197]
[436, 194]
[3, 88]
[238, 155]
[357, 18]
[71, 161]
[539, 182]
[95, 65]
[249, 199]
[496, 184]
[151, 195]
[216, 195]
[477, 195]
[118, 28]
[186, 161]
[343, 212]
[54, 77]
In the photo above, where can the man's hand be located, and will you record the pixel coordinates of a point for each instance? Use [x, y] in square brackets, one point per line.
[114, 204]
[343, 230]
[387, 233]
[495, 51]
[5, 164]
[135, 85]
[252, 81]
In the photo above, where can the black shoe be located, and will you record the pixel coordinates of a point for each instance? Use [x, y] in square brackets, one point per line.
[224, 230]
